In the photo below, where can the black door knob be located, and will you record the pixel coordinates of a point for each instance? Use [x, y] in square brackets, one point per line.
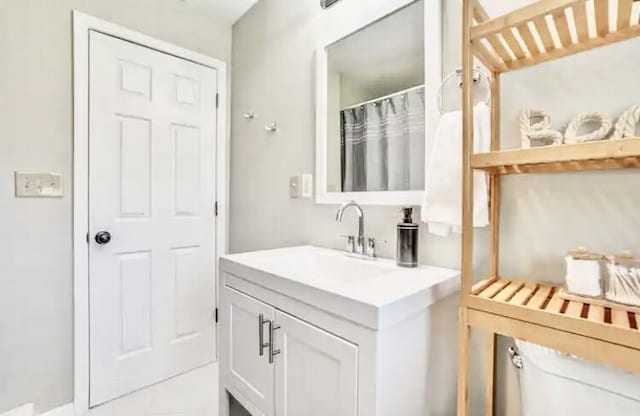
[103, 237]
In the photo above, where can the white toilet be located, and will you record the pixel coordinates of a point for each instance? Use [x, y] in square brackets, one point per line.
[557, 384]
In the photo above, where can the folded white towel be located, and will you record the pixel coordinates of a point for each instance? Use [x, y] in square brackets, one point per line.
[442, 206]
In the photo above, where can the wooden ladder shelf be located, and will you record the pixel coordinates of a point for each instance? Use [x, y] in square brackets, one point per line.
[530, 310]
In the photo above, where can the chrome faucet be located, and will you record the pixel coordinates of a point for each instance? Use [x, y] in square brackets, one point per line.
[357, 247]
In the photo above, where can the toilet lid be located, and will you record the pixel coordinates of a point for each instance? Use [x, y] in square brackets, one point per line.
[577, 369]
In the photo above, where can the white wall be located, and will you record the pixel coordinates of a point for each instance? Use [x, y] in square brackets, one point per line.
[543, 216]
[36, 338]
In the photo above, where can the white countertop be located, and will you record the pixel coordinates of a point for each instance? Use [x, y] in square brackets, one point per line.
[375, 294]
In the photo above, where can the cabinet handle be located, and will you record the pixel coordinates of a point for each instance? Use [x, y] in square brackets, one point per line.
[272, 350]
[262, 345]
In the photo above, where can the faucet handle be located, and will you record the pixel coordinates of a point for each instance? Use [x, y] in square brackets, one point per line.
[371, 246]
[350, 243]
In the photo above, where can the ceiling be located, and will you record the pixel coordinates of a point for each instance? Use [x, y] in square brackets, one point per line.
[227, 11]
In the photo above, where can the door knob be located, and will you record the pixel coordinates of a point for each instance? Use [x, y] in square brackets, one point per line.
[103, 237]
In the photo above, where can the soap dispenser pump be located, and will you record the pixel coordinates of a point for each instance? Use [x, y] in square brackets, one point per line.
[407, 241]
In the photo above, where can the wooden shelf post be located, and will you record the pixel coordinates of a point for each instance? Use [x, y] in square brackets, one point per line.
[494, 221]
[467, 206]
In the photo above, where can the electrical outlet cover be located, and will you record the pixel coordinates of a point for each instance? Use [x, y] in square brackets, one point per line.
[38, 185]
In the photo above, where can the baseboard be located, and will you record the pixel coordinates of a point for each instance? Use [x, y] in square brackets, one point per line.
[24, 410]
[66, 410]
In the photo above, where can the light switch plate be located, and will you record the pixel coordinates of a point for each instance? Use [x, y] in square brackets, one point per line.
[38, 185]
[307, 185]
[294, 187]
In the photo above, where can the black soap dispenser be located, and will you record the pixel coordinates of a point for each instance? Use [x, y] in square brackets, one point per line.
[407, 251]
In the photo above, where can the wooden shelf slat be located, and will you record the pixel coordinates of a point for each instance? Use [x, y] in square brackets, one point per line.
[511, 40]
[602, 16]
[624, 13]
[605, 154]
[542, 28]
[574, 309]
[580, 20]
[562, 25]
[482, 285]
[525, 294]
[500, 49]
[555, 305]
[596, 313]
[540, 297]
[525, 33]
[619, 318]
[508, 292]
[547, 308]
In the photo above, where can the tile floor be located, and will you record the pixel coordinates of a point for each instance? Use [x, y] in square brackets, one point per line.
[191, 394]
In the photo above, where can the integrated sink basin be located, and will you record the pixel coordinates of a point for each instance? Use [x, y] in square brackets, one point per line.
[374, 293]
[314, 264]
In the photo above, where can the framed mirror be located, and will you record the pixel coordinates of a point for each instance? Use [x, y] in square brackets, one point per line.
[377, 82]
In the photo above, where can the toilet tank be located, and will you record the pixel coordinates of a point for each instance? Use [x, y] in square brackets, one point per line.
[557, 384]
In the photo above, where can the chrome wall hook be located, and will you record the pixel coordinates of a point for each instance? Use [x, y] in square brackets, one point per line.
[271, 127]
[249, 115]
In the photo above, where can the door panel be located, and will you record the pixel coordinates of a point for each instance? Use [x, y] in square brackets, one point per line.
[135, 302]
[187, 174]
[152, 123]
[248, 372]
[316, 372]
[135, 166]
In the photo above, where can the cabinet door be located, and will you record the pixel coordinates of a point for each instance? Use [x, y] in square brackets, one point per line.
[249, 374]
[316, 372]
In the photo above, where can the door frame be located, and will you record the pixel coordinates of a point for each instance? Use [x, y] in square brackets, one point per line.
[82, 25]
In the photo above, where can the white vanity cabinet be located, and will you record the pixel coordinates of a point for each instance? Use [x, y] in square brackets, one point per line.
[297, 369]
[316, 372]
[310, 332]
[248, 373]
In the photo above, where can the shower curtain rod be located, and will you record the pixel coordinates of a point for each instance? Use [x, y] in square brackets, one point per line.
[384, 97]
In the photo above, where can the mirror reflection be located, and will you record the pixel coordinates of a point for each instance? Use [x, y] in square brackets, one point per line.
[376, 106]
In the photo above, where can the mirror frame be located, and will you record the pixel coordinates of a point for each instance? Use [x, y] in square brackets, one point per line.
[433, 78]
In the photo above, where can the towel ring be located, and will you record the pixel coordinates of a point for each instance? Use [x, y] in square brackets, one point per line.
[478, 75]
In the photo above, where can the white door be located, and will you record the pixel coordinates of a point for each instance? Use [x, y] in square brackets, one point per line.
[247, 365]
[316, 372]
[152, 138]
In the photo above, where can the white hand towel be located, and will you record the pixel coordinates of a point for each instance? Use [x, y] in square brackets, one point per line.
[442, 206]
